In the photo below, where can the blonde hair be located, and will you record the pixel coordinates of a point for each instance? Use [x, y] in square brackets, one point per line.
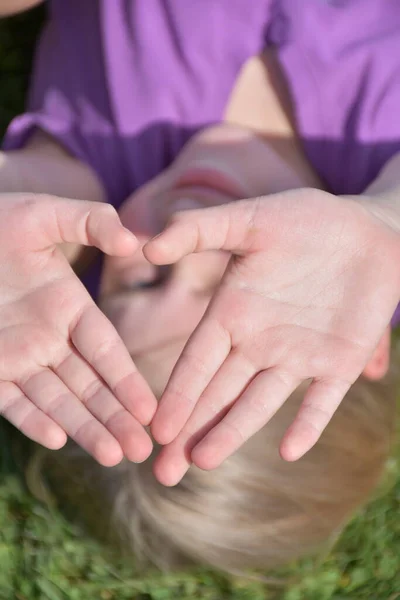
[255, 510]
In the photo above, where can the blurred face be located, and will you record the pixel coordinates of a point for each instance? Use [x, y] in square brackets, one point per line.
[156, 309]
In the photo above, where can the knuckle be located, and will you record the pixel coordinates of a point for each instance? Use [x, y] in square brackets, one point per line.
[6, 405]
[284, 378]
[90, 391]
[236, 432]
[105, 210]
[97, 215]
[103, 350]
[55, 404]
[195, 363]
[259, 405]
[315, 415]
[83, 431]
[212, 405]
[178, 395]
[117, 418]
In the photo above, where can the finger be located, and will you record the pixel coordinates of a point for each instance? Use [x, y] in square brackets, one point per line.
[258, 404]
[228, 384]
[98, 342]
[201, 358]
[25, 416]
[319, 405]
[174, 460]
[83, 222]
[53, 398]
[81, 379]
[228, 227]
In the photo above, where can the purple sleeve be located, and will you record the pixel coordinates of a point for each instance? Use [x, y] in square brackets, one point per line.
[123, 84]
[341, 59]
[68, 96]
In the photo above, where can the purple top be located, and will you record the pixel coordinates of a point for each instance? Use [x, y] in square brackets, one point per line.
[123, 84]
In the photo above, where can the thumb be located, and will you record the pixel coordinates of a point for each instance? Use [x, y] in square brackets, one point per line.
[82, 222]
[227, 227]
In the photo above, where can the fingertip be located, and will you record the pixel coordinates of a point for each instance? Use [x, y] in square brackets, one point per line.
[145, 411]
[160, 431]
[140, 451]
[135, 394]
[166, 472]
[155, 251]
[205, 458]
[298, 440]
[127, 242]
[288, 453]
[292, 448]
[108, 453]
[56, 438]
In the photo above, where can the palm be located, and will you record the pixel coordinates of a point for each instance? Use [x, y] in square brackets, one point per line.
[306, 297]
[63, 368]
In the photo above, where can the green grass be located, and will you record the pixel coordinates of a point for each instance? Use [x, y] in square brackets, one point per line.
[17, 40]
[44, 557]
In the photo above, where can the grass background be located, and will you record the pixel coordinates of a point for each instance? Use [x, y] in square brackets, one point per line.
[45, 557]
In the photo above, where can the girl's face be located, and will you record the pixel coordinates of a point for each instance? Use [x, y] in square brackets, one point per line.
[156, 309]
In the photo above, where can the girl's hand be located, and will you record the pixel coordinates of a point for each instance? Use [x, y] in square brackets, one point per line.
[312, 284]
[63, 368]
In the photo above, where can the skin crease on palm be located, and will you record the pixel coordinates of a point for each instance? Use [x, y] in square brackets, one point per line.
[96, 366]
[156, 309]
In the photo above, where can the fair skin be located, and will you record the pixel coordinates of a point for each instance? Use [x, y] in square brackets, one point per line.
[287, 310]
[155, 310]
[169, 422]
[85, 385]
[63, 369]
[76, 378]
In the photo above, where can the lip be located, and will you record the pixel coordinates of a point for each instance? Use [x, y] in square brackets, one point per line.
[212, 179]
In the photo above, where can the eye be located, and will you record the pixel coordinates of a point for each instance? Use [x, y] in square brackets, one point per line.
[142, 285]
[148, 284]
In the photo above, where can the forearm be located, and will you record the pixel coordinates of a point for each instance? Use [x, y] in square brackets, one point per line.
[12, 7]
[44, 167]
[384, 193]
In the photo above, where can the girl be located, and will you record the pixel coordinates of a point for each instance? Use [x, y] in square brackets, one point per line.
[85, 103]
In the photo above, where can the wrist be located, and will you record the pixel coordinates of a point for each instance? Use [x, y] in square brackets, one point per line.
[43, 166]
[382, 196]
[383, 208]
[388, 180]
